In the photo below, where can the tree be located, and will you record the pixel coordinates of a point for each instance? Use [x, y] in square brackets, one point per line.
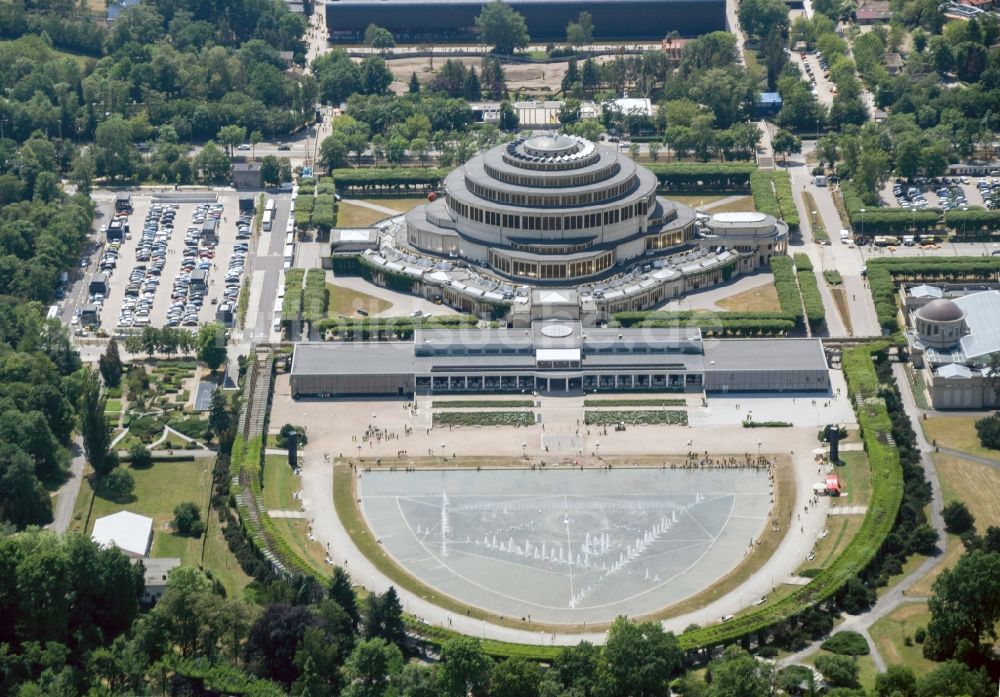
[954, 679]
[187, 519]
[965, 609]
[785, 143]
[580, 32]
[139, 457]
[639, 659]
[275, 638]
[379, 37]
[115, 155]
[255, 137]
[220, 420]
[119, 484]
[369, 667]
[93, 425]
[738, 674]
[290, 431]
[758, 17]
[509, 120]
[213, 163]
[988, 430]
[231, 136]
[465, 668]
[472, 90]
[957, 518]
[515, 677]
[375, 75]
[23, 499]
[501, 26]
[896, 681]
[333, 151]
[569, 83]
[110, 364]
[212, 345]
[384, 617]
[414, 87]
[492, 77]
[839, 671]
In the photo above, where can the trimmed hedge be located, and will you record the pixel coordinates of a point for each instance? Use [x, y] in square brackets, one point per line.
[886, 496]
[291, 306]
[315, 297]
[811, 299]
[786, 203]
[703, 176]
[634, 403]
[395, 179]
[772, 194]
[389, 328]
[788, 290]
[879, 220]
[802, 262]
[711, 323]
[973, 223]
[482, 403]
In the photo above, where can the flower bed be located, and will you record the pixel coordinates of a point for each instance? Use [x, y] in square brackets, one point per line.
[634, 403]
[643, 417]
[484, 418]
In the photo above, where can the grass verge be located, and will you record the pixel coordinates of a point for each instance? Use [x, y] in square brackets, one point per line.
[890, 635]
[347, 302]
[760, 299]
[958, 433]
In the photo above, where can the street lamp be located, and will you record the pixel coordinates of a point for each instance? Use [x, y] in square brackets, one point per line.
[597, 449]
[862, 222]
[524, 449]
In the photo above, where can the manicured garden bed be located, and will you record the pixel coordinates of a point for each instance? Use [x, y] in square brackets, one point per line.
[643, 417]
[484, 418]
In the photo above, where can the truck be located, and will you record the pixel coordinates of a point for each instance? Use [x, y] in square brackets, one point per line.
[820, 180]
[885, 241]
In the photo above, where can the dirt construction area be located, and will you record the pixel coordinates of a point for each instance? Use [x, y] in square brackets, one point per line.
[530, 78]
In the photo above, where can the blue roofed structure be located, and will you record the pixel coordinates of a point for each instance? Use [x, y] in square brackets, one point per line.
[767, 104]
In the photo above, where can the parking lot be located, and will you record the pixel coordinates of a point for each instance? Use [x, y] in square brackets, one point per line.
[169, 270]
[945, 193]
[815, 71]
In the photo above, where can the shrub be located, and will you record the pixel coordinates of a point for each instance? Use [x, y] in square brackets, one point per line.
[802, 262]
[145, 428]
[920, 635]
[187, 519]
[833, 278]
[766, 424]
[813, 301]
[291, 306]
[847, 643]
[119, 484]
[315, 297]
[988, 430]
[192, 426]
[139, 456]
[287, 431]
[958, 518]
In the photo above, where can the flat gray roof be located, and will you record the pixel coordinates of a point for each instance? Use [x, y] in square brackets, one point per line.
[353, 357]
[764, 354]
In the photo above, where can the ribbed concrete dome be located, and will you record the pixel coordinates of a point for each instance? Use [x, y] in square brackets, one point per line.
[940, 310]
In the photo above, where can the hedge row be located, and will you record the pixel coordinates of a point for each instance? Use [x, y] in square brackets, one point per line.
[637, 417]
[315, 297]
[484, 418]
[788, 290]
[786, 203]
[811, 299]
[324, 215]
[291, 306]
[878, 220]
[886, 496]
[802, 262]
[974, 222]
[390, 328]
[703, 176]
[711, 323]
[392, 177]
[764, 198]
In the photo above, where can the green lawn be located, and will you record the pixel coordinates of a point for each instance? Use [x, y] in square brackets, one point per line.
[345, 301]
[855, 479]
[957, 432]
[113, 406]
[401, 203]
[157, 490]
[279, 484]
[161, 487]
[890, 634]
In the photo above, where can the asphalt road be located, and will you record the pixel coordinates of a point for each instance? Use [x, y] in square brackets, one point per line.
[62, 514]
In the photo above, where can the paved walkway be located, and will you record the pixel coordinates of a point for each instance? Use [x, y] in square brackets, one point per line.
[897, 595]
[287, 514]
[721, 202]
[979, 459]
[848, 510]
[66, 496]
[372, 206]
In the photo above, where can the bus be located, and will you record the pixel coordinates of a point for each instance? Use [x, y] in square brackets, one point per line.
[269, 206]
[268, 219]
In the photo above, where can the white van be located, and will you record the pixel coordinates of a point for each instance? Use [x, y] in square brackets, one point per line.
[845, 235]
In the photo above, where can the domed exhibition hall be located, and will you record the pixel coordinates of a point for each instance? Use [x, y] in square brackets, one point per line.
[550, 209]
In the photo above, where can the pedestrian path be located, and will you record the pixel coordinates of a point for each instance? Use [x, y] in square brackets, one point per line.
[287, 514]
[848, 510]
